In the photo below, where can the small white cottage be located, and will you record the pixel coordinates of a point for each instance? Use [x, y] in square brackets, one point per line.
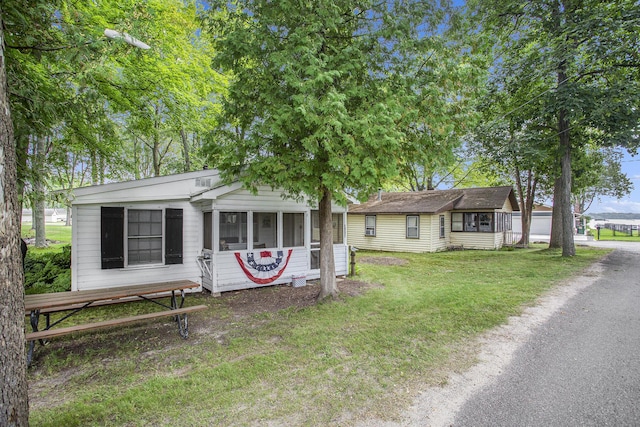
[191, 226]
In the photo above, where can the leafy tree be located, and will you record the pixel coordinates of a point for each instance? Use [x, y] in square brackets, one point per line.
[583, 54]
[311, 106]
[597, 173]
[14, 404]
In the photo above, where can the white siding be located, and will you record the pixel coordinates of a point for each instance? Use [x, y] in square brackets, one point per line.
[391, 234]
[86, 257]
[227, 274]
[475, 240]
[438, 243]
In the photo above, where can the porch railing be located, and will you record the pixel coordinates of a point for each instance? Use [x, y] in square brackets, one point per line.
[511, 238]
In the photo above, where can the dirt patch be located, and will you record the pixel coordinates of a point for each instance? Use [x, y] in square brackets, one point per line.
[248, 302]
[382, 260]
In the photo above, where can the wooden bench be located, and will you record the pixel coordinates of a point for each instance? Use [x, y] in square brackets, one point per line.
[76, 301]
[50, 333]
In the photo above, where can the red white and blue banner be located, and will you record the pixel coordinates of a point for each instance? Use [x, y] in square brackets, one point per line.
[265, 267]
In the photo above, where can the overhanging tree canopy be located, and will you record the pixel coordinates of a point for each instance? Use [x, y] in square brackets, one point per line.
[310, 107]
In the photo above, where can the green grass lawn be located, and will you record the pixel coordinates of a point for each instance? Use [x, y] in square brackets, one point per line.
[327, 364]
[58, 233]
[606, 234]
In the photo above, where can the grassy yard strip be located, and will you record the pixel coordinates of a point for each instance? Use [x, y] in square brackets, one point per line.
[55, 232]
[324, 365]
[606, 234]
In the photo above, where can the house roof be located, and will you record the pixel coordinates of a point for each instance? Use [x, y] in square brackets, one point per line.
[436, 201]
[181, 186]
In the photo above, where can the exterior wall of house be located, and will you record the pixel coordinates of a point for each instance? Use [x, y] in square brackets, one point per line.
[479, 240]
[228, 274]
[86, 270]
[476, 240]
[391, 233]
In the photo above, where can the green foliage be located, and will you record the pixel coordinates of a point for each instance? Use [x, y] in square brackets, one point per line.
[48, 271]
[314, 101]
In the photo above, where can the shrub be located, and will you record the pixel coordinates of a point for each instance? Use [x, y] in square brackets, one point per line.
[48, 271]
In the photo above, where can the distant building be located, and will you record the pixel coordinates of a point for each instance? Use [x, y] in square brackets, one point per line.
[51, 215]
[540, 220]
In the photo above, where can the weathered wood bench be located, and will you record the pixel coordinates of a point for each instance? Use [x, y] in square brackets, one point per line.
[57, 332]
[76, 301]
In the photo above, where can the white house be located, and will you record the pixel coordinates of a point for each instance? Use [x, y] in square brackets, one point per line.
[192, 226]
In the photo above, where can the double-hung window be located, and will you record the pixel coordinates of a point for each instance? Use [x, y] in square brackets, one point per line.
[370, 225]
[442, 226]
[149, 235]
[413, 227]
[144, 236]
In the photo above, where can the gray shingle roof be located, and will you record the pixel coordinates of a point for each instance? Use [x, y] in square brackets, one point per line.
[436, 201]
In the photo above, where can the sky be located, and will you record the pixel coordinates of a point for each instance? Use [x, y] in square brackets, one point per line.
[629, 204]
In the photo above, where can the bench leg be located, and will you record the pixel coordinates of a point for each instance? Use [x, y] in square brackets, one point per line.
[34, 318]
[32, 345]
[183, 325]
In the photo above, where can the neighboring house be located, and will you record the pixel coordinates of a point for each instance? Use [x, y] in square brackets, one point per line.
[433, 220]
[540, 220]
[51, 215]
[191, 226]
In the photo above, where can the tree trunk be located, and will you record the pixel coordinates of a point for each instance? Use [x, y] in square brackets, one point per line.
[328, 286]
[156, 144]
[14, 404]
[568, 246]
[38, 193]
[185, 150]
[556, 217]
[526, 199]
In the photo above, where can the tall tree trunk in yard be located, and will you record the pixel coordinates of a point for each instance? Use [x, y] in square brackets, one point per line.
[568, 246]
[526, 199]
[38, 193]
[328, 286]
[14, 404]
[555, 241]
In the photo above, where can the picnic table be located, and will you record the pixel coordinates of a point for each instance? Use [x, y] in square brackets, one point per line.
[75, 301]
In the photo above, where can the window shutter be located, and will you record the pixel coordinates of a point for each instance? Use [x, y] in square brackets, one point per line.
[173, 236]
[112, 237]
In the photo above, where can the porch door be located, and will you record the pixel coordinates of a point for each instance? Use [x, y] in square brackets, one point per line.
[315, 241]
[205, 260]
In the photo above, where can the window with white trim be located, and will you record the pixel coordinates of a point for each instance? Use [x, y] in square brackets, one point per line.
[370, 225]
[442, 226]
[413, 227]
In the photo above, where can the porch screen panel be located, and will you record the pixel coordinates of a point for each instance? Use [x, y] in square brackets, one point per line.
[338, 228]
[265, 230]
[112, 237]
[232, 231]
[208, 231]
[173, 236]
[292, 229]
